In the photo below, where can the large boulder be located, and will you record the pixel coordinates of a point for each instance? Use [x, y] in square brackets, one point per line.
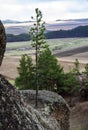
[2, 42]
[15, 114]
[50, 105]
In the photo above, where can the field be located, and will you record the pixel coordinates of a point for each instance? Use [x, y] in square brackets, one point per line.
[58, 47]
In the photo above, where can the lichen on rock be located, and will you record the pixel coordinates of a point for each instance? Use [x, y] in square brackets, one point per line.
[2, 42]
[16, 115]
[51, 106]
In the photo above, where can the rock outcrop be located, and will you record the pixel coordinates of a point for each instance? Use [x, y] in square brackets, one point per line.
[17, 114]
[50, 103]
[2, 42]
[14, 114]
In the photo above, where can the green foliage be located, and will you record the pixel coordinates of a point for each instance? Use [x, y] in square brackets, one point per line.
[50, 72]
[37, 31]
[76, 67]
[52, 76]
[86, 69]
[26, 73]
[70, 83]
[38, 41]
[16, 38]
[86, 74]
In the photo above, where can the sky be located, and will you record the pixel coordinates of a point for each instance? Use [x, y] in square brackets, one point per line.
[22, 10]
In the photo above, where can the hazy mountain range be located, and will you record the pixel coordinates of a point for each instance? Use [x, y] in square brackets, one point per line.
[19, 27]
[8, 21]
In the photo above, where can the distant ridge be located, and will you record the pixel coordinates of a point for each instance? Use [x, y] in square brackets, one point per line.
[8, 21]
[18, 27]
[83, 19]
[80, 31]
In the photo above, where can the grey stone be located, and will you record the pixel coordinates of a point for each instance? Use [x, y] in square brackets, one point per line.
[2, 42]
[51, 106]
[15, 114]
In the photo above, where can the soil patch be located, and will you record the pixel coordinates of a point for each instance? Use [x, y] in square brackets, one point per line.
[79, 116]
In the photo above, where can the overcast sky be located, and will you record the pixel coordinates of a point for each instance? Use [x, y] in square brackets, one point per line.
[51, 9]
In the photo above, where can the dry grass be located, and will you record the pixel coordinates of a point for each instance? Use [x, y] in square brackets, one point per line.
[68, 62]
[10, 64]
[9, 67]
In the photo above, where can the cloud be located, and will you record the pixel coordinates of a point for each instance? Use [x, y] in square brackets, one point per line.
[66, 9]
[51, 9]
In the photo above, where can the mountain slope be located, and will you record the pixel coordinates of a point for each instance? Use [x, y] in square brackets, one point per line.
[81, 31]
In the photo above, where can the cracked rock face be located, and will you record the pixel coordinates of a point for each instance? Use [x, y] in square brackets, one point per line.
[14, 113]
[2, 42]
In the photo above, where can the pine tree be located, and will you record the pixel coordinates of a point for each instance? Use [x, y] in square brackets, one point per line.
[25, 80]
[76, 67]
[38, 41]
[86, 69]
[50, 72]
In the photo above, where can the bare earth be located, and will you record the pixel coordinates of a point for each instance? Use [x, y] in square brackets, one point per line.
[79, 116]
[9, 67]
[10, 64]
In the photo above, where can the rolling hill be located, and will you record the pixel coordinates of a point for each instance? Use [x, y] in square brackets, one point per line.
[81, 31]
[18, 27]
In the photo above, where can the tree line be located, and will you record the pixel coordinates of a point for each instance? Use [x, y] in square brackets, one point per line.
[18, 38]
[81, 31]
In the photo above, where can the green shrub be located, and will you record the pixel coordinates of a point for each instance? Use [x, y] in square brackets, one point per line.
[26, 70]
